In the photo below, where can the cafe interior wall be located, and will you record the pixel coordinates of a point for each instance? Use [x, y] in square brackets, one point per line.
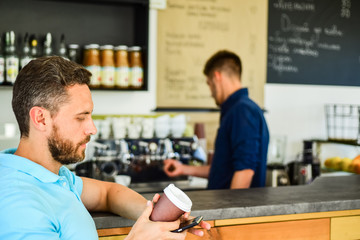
[298, 113]
[293, 111]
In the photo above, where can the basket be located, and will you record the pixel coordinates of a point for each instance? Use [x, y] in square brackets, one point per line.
[343, 123]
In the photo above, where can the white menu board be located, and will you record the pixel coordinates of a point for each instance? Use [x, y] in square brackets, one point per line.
[190, 31]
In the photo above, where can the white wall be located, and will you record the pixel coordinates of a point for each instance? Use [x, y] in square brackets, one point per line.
[297, 111]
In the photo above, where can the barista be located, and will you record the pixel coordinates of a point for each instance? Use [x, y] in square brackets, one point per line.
[242, 140]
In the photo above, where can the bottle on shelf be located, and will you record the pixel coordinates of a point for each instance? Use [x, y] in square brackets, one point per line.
[74, 53]
[107, 66]
[34, 47]
[25, 56]
[62, 47]
[121, 67]
[11, 59]
[48, 51]
[136, 68]
[92, 63]
[2, 64]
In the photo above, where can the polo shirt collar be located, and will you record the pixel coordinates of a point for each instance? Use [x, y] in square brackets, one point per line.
[27, 166]
[232, 99]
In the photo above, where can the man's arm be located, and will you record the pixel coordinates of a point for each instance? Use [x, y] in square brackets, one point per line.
[242, 179]
[174, 168]
[112, 197]
[107, 196]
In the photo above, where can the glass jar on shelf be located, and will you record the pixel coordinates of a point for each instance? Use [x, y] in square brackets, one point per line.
[92, 64]
[136, 68]
[107, 66]
[2, 64]
[11, 58]
[121, 67]
[74, 52]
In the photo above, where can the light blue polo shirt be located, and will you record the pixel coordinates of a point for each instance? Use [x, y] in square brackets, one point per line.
[37, 204]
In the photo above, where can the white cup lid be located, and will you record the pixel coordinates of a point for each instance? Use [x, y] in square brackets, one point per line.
[178, 198]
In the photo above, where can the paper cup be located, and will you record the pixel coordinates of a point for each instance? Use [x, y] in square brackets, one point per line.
[171, 205]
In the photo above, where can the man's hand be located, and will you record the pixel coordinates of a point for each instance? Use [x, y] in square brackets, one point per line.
[197, 232]
[185, 217]
[144, 228]
[173, 168]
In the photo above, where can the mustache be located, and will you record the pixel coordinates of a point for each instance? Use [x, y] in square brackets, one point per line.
[86, 140]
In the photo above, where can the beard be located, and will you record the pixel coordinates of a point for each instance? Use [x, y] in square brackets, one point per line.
[63, 150]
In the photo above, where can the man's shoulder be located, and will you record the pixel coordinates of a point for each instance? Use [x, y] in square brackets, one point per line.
[23, 210]
[245, 106]
[17, 185]
[247, 102]
[8, 151]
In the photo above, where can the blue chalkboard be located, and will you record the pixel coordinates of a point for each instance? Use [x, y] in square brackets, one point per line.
[314, 42]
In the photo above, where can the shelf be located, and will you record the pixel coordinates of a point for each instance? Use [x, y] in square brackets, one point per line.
[115, 22]
[344, 142]
[123, 2]
[6, 87]
[9, 87]
[121, 90]
[186, 110]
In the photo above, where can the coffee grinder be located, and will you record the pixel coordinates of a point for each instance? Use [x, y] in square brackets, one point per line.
[276, 173]
[306, 167]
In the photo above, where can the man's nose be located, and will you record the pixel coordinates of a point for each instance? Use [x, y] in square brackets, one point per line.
[91, 130]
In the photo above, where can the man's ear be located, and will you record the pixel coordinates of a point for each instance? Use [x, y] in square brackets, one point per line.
[39, 118]
[218, 76]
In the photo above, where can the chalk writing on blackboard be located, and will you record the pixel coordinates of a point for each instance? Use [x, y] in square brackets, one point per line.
[314, 42]
[299, 39]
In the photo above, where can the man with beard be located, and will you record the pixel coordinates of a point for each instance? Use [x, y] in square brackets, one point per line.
[242, 139]
[39, 197]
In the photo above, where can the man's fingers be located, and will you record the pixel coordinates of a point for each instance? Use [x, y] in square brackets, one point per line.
[156, 198]
[146, 213]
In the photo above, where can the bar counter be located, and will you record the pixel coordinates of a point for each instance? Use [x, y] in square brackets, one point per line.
[328, 196]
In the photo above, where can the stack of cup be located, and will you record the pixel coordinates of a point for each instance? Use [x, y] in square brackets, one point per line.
[119, 127]
[200, 133]
[162, 126]
[178, 125]
[148, 128]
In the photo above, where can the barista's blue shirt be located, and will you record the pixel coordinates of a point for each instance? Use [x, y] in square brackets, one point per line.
[37, 204]
[241, 143]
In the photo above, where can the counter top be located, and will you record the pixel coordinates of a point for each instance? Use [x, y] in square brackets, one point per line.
[323, 195]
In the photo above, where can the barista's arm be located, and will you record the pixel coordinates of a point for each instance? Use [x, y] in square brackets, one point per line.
[174, 168]
[112, 197]
[242, 179]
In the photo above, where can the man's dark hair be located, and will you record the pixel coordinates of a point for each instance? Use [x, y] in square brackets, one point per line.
[43, 82]
[223, 61]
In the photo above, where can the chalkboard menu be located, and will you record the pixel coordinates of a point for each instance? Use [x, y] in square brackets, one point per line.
[314, 42]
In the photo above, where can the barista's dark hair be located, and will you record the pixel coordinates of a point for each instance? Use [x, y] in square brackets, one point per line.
[43, 82]
[223, 61]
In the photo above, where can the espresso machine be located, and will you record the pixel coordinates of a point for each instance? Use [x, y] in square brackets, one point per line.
[141, 159]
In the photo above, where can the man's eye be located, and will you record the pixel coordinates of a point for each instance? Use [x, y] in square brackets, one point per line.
[80, 119]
